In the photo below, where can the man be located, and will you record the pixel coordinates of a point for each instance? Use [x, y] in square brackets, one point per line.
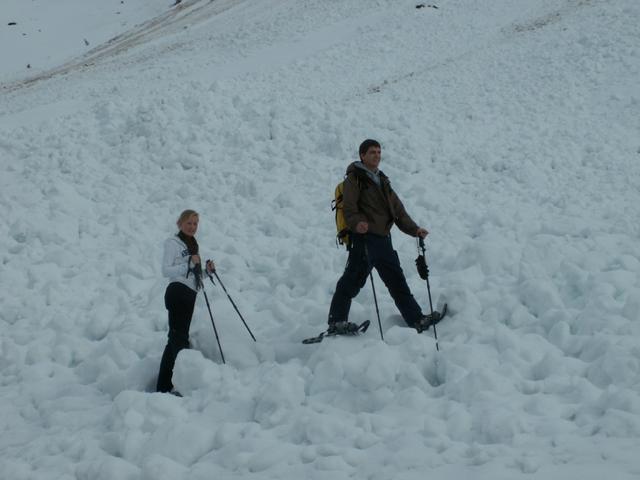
[371, 207]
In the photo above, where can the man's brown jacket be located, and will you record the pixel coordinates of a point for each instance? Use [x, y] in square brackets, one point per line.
[379, 206]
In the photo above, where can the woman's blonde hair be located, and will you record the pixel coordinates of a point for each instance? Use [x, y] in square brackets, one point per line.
[187, 214]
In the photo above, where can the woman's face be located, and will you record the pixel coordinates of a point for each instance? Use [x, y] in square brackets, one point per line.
[189, 226]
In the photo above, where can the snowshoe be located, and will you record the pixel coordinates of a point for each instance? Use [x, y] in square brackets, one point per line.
[339, 328]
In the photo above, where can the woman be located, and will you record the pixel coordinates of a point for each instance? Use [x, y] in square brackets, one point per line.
[181, 264]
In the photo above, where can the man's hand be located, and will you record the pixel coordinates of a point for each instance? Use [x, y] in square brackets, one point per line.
[362, 227]
[422, 232]
[211, 267]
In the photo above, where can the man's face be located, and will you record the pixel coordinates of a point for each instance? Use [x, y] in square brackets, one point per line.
[371, 158]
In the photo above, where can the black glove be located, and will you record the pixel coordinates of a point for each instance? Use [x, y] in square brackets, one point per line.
[421, 264]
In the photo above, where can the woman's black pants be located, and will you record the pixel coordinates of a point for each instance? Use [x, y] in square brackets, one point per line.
[179, 300]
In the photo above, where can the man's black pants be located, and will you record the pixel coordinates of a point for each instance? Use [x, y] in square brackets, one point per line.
[384, 259]
[179, 300]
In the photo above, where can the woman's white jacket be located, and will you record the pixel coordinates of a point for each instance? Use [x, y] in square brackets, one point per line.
[175, 263]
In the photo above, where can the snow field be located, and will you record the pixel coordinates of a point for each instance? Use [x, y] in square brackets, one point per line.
[509, 132]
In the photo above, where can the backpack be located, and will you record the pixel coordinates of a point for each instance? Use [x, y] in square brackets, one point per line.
[342, 237]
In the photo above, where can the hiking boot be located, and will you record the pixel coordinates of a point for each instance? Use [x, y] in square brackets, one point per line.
[425, 321]
[342, 328]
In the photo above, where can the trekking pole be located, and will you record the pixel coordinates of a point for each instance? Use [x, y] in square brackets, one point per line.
[423, 271]
[198, 273]
[232, 302]
[375, 298]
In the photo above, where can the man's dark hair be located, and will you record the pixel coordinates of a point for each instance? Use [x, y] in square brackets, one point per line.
[367, 144]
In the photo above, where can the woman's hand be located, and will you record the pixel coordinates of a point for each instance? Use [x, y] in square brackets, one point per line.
[211, 267]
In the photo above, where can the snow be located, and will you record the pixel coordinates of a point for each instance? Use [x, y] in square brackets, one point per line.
[511, 132]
